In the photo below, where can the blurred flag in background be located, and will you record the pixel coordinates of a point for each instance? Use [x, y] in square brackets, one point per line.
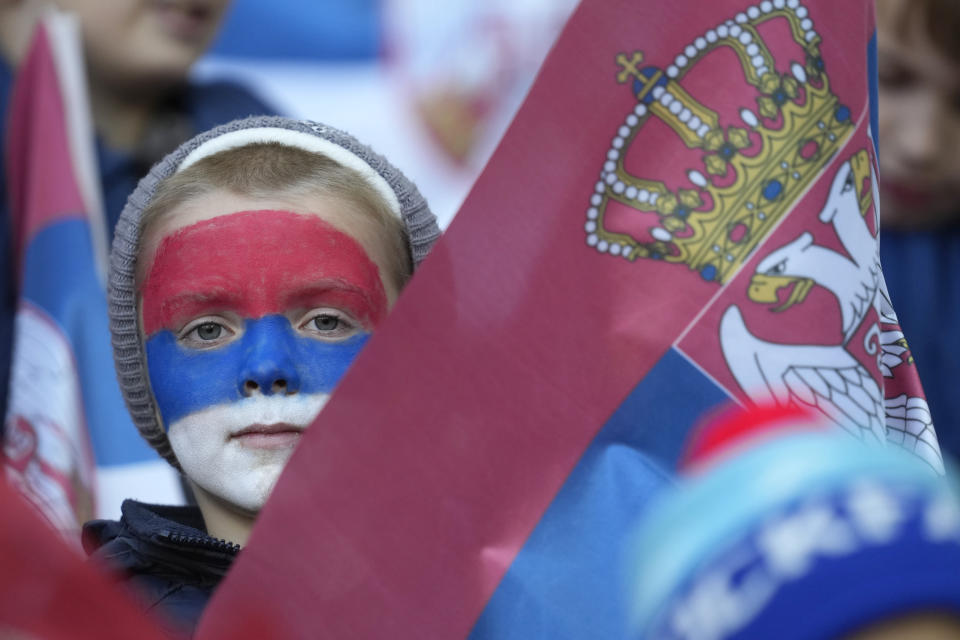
[69, 443]
[465, 69]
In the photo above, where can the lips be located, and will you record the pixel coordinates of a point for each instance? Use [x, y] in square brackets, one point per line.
[268, 436]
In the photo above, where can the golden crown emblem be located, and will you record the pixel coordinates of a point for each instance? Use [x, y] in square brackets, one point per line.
[752, 171]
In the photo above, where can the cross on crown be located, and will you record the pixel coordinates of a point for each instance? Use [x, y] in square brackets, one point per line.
[794, 125]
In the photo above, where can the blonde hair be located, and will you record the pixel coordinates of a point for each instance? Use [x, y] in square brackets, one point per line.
[271, 169]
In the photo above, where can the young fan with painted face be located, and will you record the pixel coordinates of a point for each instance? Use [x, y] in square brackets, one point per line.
[248, 271]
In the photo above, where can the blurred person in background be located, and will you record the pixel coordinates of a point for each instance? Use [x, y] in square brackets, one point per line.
[138, 54]
[919, 130]
[781, 526]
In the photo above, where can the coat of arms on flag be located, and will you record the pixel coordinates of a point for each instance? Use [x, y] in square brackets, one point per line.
[720, 200]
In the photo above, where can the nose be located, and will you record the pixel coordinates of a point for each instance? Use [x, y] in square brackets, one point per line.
[269, 363]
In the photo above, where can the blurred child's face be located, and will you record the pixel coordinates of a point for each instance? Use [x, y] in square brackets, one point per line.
[919, 127]
[133, 43]
[252, 312]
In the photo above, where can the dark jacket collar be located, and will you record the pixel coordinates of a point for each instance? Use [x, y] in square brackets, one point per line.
[160, 538]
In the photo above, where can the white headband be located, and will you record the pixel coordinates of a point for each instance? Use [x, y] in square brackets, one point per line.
[301, 140]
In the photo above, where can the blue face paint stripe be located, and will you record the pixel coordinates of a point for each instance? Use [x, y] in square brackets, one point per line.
[186, 380]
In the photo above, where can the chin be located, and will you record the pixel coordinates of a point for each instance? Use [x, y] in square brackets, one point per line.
[215, 459]
[244, 479]
[149, 67]
[161, 71]
[250, 489]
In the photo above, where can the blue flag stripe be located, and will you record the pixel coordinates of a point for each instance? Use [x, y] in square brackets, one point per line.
[60, 278]
[566, 581]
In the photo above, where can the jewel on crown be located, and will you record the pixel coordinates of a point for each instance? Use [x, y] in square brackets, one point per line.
[751, 171]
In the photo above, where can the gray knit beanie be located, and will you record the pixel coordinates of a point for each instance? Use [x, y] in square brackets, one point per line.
[128, 351]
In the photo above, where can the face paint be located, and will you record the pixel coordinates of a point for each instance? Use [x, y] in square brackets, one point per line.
[186, 380]
[257, 263]
[218, 455]
[251, 320]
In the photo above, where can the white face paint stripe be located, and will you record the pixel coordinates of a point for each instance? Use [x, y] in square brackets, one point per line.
[301, 140]
[223, 466]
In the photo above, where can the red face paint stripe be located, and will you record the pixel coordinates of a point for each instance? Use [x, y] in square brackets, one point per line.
[257, 263]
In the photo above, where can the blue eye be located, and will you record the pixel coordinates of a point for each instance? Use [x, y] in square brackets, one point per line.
[209, 331]
[207, 334]
[327, 322]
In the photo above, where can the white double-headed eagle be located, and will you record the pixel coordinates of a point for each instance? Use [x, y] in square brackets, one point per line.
[829, 378]
[854, 279]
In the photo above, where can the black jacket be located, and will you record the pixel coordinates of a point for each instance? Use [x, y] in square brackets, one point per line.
[167, 558]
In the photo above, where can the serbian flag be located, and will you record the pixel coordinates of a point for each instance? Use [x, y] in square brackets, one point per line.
[69, 443]
[683, 212]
